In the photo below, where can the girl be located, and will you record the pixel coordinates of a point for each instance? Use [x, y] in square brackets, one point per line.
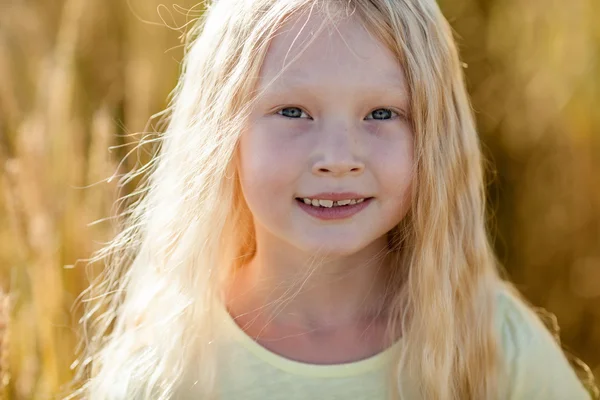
[313, 226]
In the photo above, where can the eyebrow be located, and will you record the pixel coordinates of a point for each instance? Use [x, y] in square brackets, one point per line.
[387, 81]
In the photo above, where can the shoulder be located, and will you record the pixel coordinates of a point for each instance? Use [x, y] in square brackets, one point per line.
[535, 366]
[518, 324]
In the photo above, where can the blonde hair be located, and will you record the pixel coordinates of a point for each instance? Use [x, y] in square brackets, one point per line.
[153, 316]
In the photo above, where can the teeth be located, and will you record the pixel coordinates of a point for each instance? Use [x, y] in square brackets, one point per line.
[326, 203]
[330, 203]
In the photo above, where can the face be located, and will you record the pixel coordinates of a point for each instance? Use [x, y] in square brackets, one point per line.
[331, 127]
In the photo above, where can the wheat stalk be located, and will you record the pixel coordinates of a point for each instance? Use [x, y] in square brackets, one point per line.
[4, 343]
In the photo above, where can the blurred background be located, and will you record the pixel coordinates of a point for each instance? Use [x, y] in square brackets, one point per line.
[79, 80]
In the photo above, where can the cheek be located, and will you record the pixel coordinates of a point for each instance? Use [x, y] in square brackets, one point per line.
[395, 170]
[268, 167]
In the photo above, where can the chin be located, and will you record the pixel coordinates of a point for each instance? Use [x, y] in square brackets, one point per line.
[333, 247]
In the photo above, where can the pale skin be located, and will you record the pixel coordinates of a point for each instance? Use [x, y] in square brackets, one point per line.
[335, 121]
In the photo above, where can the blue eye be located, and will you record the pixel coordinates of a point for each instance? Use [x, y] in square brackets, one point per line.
[382, 114]
[292, 112]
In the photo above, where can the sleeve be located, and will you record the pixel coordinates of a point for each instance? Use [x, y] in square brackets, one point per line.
[535, 365]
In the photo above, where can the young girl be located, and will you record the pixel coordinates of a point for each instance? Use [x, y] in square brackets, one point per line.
[314, 226]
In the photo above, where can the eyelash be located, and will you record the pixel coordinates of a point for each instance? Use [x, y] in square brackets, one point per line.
[382, 108]
[287, 108]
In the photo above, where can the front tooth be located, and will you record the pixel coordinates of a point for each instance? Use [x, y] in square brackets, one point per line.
[315, 202]
[307, 201]
[360, 200]
[326, 203]
[352, 201]
[343, 202]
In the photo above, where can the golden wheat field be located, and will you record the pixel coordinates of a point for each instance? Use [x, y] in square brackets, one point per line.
[80, 79]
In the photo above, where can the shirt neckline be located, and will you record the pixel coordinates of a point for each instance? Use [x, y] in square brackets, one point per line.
[352, 368]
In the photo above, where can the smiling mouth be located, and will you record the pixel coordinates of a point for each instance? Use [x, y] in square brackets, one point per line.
[326, 203]
[329, 210]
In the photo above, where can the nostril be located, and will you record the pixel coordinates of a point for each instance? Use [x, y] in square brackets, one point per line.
[338, 169]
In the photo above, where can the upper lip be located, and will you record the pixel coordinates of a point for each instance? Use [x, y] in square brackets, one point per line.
[335, 196]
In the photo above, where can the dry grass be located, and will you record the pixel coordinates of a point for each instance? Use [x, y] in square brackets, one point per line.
[4, 344]
[77, 77]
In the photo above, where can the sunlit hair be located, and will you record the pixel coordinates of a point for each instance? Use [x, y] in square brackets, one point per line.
[191, 228]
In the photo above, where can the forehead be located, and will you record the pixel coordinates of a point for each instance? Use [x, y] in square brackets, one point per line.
[312, 47]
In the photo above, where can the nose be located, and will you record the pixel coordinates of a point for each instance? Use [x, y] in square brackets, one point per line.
[338, 153]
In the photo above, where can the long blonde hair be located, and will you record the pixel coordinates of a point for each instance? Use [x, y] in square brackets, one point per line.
[150, 316]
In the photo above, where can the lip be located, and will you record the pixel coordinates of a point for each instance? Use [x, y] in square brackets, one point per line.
[335, 196]
[334, 213]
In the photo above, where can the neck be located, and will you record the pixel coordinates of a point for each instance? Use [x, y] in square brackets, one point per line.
[299, 289]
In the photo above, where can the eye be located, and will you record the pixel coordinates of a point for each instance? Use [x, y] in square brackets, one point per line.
[382, 114]
[292, 112]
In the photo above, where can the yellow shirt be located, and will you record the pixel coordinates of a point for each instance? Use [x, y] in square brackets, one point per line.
[537, 368]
